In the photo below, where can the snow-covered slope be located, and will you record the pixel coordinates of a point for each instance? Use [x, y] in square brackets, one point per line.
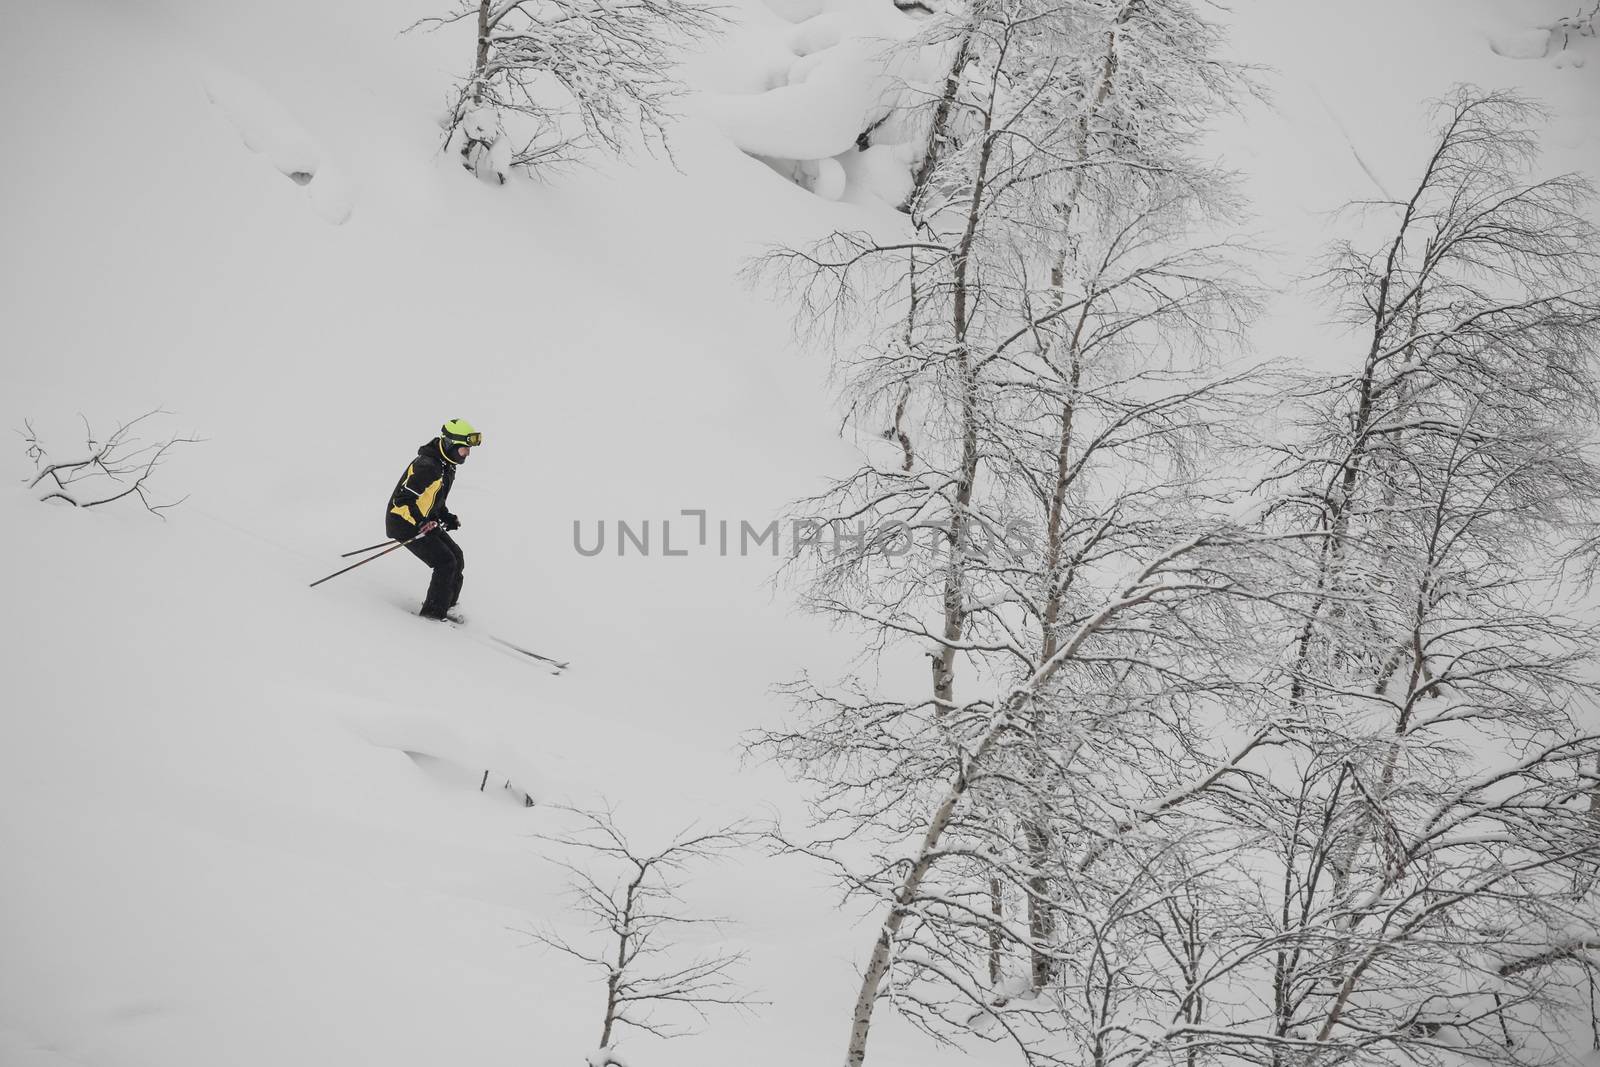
[240, 819]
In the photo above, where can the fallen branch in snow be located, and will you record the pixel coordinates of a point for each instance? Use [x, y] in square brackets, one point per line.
[118, 458]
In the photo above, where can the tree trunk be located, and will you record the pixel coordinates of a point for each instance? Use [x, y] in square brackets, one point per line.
[1041, 920]
[941, 120]
[878, 965]
[614, 979]
[944, 664]
[483, 52]
[997, 908]
[1002, 721]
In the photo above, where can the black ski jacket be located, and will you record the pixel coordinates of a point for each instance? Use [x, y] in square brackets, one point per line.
[420, 494]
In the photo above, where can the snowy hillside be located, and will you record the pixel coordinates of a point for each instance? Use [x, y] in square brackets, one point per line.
[246, 822]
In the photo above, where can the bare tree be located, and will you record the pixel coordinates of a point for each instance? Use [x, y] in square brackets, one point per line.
[631, 898]
[551, 78]
[106, 470]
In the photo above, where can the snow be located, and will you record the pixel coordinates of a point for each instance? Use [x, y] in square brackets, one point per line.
[1521, 44]
[265, 127]
[827, 72]
[241, 819]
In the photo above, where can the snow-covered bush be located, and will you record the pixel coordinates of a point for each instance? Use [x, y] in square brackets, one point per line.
[552, 78]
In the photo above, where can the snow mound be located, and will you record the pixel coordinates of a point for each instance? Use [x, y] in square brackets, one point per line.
[821, 83]
[267, 128]
[1521, 44]
[1570, 41]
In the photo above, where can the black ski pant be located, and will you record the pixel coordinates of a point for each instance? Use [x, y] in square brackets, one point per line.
[439, 551]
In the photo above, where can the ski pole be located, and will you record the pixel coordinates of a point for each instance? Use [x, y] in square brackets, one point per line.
[369, 548]
[399, 544]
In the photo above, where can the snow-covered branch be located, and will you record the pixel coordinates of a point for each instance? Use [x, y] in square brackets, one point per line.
[552, 79]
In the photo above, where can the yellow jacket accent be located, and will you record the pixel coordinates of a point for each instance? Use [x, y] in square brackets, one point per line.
[421, 492]
[425, 498]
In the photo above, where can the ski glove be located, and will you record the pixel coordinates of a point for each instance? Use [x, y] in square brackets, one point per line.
[450, 522]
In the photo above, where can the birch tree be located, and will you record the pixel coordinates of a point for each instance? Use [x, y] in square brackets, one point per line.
[1436, 851]
[1036, 347]
[1188, 784]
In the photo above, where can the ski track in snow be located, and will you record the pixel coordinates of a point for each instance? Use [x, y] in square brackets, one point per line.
[459, 751]
[17, 1051]
[266, 128]
[472, 740]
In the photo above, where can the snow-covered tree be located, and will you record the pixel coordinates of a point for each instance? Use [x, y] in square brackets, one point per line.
[1435, 833]
[1147, 703]
[552, 78]
[1036, 352]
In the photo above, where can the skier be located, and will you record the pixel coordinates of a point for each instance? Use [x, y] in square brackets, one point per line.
[418, 515]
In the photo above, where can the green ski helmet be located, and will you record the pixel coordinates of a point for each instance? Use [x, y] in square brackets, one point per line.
[457, 435]
[460, 432]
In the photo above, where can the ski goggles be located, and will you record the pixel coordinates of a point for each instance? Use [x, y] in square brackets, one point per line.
[473, 439]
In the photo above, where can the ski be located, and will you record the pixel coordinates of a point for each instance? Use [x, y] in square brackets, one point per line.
[460, 623]
[557, 666]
